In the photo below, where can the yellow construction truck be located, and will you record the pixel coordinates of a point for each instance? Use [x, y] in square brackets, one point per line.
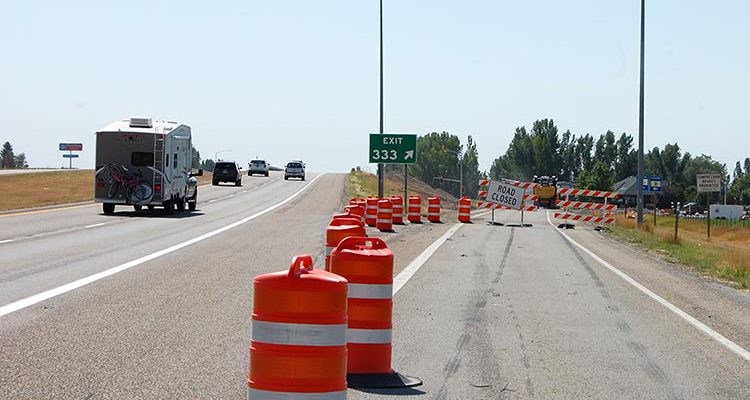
[546, 192]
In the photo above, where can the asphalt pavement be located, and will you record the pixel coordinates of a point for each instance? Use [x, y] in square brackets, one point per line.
[494, 312]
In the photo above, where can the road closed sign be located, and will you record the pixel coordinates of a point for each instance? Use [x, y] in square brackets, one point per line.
[505, 194]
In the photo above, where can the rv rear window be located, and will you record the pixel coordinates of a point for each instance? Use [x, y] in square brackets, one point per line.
[141, 159]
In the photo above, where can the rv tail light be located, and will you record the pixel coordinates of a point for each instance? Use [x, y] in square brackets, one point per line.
[100, 184]
[157, 187]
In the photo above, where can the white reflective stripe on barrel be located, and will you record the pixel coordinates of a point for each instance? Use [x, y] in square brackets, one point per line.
[255, 394]
[369, 336]
[383, 221]
[299, 334]
[370, 291]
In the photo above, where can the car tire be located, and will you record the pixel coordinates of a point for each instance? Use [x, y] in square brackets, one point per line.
[108, 208]
[193, 203]
[137, 207]
[238, 183]
[150, 207]
[266, 174]
[215, 183]
[303, 177]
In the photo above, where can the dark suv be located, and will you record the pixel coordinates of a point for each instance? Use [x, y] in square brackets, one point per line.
[227, 171]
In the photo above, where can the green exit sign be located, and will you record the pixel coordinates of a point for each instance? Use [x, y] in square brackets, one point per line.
[390, 148]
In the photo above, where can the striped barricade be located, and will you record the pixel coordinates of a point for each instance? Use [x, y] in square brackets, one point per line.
[585, 205]
[588, 193]
[584, 218]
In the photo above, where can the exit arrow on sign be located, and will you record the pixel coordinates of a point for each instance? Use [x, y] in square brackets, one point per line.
[409, 154]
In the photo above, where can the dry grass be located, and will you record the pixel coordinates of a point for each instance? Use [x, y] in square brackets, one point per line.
[726, 255]
[45, 188]
[51, 188]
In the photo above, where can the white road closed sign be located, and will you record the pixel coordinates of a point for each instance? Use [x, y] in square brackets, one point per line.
[708, 182]
[505, 195]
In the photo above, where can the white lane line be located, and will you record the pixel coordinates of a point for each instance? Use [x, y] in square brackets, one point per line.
[6, 241]
[400, 280]
[94, 225]
[211, 201]
[31, 300]
[721, 339]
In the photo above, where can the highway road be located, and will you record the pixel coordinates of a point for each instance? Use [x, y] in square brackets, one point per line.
[125, 307]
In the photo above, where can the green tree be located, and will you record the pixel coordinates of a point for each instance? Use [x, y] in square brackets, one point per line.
[568, 164]
[472, 175]
[20, 161]
[739, 192]
[600, 177]
[208, 165]
[196, 158]
[738, 173]
[546, 146]
[438, 157]
[626, 163]
[7, 158]
[584, 157]
[747, 166]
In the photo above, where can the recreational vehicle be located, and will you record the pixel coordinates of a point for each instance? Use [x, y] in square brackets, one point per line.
[141, 162]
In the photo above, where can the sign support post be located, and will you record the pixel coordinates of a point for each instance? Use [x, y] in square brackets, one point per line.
[707, 183]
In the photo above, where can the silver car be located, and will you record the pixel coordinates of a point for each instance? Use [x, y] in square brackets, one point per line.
[259, 167]
[294, 169]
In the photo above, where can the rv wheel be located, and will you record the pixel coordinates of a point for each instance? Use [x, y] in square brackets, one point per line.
[108, 208]
[137, 207]
[193, 202]
[168, 207]
[181, 204]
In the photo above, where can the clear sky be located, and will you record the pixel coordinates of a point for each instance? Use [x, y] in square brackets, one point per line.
[299, 79]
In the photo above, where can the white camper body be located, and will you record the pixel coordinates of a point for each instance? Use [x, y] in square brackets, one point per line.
[729, 212]
[141, 162]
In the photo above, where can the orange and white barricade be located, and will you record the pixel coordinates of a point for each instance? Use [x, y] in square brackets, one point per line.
[415, 210]
[367, 264]
[433, 209]
[338, 229]
[398, 209]
[298, 348]
[585, 218]
[371, 212]
[464, 210]
[384, 222]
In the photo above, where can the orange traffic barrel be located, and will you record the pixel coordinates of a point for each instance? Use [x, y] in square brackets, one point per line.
[371, 212]
[464, 210]
[433, 209]
[356, 210]
[415, 209]
[367, 264]
[398, 209]
[337, 230]
[384, 222]
[298, 346]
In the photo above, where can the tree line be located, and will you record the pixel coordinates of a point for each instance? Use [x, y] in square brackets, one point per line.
[587, 161]
[8, 159]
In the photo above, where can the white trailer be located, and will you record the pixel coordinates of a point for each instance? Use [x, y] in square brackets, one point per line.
[729, 212]
[141, 162]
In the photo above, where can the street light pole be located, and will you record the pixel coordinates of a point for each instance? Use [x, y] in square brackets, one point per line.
[380, 166]
[216, 155]
[460, 172]
[639, 182]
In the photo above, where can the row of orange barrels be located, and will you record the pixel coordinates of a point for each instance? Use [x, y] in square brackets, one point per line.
[316, 331]
[383, 213]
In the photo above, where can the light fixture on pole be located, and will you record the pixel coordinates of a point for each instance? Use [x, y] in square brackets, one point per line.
[216, 155]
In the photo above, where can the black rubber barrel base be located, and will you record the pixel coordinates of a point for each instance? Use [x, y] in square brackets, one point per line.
[394, 380]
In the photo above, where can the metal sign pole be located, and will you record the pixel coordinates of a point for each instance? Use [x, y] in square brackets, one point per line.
[70, 163]
[654, 195]
[708, 210]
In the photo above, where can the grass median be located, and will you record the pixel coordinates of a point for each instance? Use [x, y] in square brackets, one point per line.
[725, 256]
[51, 188]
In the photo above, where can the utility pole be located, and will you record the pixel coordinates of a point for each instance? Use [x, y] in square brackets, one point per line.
[639, 205]
[380, 166]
